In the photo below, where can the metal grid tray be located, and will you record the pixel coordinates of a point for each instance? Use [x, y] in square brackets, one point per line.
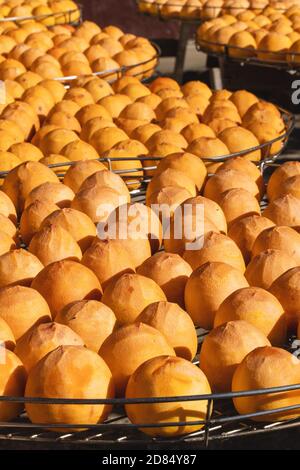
[158, 13]
[291, 64]
[221, 422]
[121, 71]
[204, 13]
[67, 15]
[149, 163]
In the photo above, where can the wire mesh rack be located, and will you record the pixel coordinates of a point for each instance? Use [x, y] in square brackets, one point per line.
[157, 10]
[137, 177]
[111, 75]
[288, 61]
[221, 421]
[146, 165]
[179, 11]
[266, 147]
[71, 16]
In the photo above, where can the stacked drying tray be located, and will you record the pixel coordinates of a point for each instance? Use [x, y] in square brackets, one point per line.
[44, 121]
[208, 9]
[123, 298]
[65, 51]
[49, 12]
[266, 37]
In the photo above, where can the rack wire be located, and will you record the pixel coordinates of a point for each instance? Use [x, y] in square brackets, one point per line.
[200, 14]
[156, 10]
[111, 75]
[65, 17]
[137, 177]
[247, 55]
[148, 163]
[189, 22]
[221, 421]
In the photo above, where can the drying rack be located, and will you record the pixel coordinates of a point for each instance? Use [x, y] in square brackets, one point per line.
[65, 17]
[187, 23]
[139, 175]
[252, 71]
[157, 9]
[249, 55]
[106, 74]
[148, 164]
[122, 71]
[221, 423]
[201, 13]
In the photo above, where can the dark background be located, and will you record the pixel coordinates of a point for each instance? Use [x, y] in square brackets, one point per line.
[124, 13]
